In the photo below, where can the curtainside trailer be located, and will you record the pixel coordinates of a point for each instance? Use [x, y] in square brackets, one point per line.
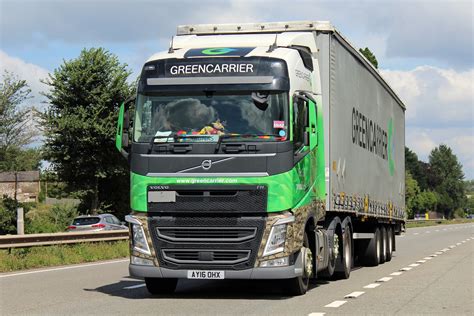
[261, 151]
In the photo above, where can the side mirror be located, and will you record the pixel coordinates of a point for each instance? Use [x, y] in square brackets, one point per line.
[123, 124]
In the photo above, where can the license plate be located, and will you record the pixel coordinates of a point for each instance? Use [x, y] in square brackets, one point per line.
[205, 274]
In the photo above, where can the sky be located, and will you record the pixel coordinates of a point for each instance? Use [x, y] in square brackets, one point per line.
[424, 48]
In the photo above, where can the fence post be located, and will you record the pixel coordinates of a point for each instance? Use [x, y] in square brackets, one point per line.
[20, 223]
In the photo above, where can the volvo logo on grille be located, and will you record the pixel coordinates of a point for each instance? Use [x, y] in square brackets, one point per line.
[206, 164]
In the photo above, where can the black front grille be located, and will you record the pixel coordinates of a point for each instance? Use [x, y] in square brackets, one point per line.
[206, 256]
[210, 234]
[206, 242]
[193, 199]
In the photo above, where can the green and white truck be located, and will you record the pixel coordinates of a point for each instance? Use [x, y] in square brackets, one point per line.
[261, 151]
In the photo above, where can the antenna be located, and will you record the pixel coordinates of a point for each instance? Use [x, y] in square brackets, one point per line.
[171, 50]
[274, 46]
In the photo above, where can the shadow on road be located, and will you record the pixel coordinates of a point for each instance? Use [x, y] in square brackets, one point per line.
[204, 289]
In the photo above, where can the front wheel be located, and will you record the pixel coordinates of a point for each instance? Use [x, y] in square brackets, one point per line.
[161, 286]
[299, 285]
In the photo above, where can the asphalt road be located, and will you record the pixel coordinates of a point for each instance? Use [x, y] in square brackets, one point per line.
[432, 273]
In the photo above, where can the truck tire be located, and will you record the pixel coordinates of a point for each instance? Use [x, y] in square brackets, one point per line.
[329, 271]
[345, 254]
[299, 285]
[161, 286]
[383, 244]
[388, 256]
[371, 253]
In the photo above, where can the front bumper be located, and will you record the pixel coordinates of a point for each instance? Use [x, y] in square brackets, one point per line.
[287, 272]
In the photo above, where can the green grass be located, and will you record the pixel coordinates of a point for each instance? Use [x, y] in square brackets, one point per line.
[422, 223]
[46, 256]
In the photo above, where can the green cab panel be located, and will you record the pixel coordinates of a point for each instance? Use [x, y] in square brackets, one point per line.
[118, 135]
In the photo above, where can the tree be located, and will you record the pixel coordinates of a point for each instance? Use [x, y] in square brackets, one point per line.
[418, 169]
[370, 56]
[446, 179]
[16, 121]
[411, 191]
[18, 159]
[84, 98]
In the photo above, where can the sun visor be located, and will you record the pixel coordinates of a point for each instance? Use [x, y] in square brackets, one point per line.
[229, 73]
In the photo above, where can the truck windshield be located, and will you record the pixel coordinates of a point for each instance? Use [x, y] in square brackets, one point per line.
[254, 116]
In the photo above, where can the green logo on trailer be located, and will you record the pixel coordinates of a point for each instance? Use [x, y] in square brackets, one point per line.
[391, 148]
[217, 51]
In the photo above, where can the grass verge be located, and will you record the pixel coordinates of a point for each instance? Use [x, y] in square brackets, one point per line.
[47, 256]
[422, 223]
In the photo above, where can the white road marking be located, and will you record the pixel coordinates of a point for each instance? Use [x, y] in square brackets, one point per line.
[64, 268]
[371, 286]
[317, 314]
[463, 241]
[458, 243]
[414, 265]
[437, 230]
[396, 273]
[445, 249]
[427, 258]
[421, 261]
[384, 279]
[406, 269]
[452, 246]
[354, 294]
[433, 255]
[439, 252]
[416, 233]
[427, 232]
[336, 304]
[134, 286]
[444, 228]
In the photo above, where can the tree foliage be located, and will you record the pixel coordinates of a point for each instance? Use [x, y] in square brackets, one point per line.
[370, 56]
[435, 186]
[19, 159]
[447, 179]
[84, 98]
[16, 125]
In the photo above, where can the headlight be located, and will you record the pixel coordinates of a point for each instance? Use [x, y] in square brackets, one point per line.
[139, 242]
[276, 240]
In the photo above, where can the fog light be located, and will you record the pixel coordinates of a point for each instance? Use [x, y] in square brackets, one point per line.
[141, 261]
[280, 262]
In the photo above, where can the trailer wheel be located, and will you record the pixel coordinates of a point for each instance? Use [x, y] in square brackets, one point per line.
[161, 286]
[371, 253]
[345, 254]
[383, 244]
[299, 285]
[390, 237]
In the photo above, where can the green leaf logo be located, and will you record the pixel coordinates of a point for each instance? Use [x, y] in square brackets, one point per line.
[217, 51]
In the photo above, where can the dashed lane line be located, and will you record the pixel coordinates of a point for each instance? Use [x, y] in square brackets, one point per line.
[421, 261]
[396, 273]
[336, 304]
[316, 314]
[384, 279]
[406, 269]
[371, 286]
[413, 265]
[354, 294]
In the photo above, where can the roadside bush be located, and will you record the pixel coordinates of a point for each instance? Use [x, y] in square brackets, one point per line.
[50, 218]
[8, 208]
[459, 213]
